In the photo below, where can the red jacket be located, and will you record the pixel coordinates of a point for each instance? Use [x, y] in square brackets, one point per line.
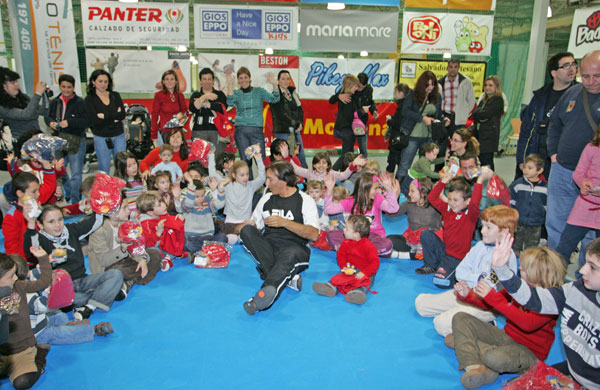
[163, 110]
[458, 227]
[361, 254]
[153, 158]
[528, 328]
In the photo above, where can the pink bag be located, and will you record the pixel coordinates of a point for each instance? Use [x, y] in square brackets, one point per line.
[358, 127]
[61, 291]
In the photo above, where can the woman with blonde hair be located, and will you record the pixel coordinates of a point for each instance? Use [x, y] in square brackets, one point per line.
[487, 117]
[347, 107]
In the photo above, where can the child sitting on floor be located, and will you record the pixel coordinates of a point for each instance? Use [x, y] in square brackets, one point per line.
[498, 221]
[422, 167]
[358, 261]
[338, 221]
[127, 169]
[483, 350]
[314, 188]
[321, 167]
[166, 155]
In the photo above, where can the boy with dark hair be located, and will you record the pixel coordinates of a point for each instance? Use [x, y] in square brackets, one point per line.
[528, 194]
[358, 261]
[25, 186]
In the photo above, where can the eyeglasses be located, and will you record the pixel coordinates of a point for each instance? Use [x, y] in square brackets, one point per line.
[456, 140]
[568, 65]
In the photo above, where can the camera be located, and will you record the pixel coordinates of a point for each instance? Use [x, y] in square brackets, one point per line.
[542, 128]
[49, 92]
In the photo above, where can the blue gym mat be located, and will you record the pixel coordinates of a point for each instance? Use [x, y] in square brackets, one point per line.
[187, 329]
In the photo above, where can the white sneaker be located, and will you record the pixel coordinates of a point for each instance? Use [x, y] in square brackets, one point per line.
[295, 283]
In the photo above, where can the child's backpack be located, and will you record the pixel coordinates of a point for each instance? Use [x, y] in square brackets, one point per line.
[172, 240]
[61, 291]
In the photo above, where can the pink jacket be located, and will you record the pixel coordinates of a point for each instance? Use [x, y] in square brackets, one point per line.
[388, 203]
[586, 210]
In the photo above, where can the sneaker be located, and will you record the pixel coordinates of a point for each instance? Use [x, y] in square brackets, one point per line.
[296, 283]
[82, 313]
[122, 293]
[263, 298]
[358, 297]
[478, 377]
[86, 167]
[449, 341]
[166, 264]
[325, 289]
[103, 329]
[425, 270]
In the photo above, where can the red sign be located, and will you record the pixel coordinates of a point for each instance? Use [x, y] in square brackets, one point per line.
[424, 29]
[125, 14]
[278, 62]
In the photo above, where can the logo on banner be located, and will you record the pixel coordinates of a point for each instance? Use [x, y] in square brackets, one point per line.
[424, 29]
[278, 24]
[174, 16]
[589, 32]
[339, 31]
[215, 23]
[125, 14]
[327, 76]
[469, 36]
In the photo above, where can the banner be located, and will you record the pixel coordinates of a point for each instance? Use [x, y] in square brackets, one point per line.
[385, 3]
[245, 27]
[2, 42]
[44, 43]
[437, 33]
[140, 71]
[585, 31]
[111, 23]
[225, 67]
[348, 31]
[410, 70]
[481, 5]
[322, 77]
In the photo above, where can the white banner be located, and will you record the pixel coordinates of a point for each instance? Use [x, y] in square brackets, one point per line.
[139, 71]
[111, 23]
[225, 67]
[244, 27]
[322, 77]
[437, 33]
[585, 31]
[44, 43]
[2, 42]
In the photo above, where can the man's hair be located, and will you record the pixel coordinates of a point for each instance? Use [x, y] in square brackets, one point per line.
[276, 146]
[22, 268]
[314, 184]
[21, 181]
[404, 88]
[544, 267]
[363, 78]
[66, 77]
[536, 159]
[454, 61]
[593, 248]
[460, 184]
[502, 216]
[284, 171]
[147, 200]
[467, 156]
[165, 147]
[360, 224]
[206, 71]
[555, 59]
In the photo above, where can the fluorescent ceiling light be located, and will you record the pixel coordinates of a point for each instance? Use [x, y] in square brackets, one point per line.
[128, 1]
[447, 55]
[298, 26]
[181, 48]
[269, 50]
[336, 6]
[149, 48]
[549, 11]
[364, 53]
[341, 57]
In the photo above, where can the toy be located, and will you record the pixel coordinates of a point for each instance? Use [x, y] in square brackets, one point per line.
[105, 196]
[42, 147]
[251, 150]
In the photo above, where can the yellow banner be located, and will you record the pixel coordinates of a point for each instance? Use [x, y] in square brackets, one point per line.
[410, 70]
[482, 5]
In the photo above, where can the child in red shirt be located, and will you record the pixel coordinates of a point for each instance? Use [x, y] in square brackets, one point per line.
[358, 261]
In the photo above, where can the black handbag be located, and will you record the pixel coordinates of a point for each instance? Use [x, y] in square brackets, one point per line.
[399, 142]
[438, 131]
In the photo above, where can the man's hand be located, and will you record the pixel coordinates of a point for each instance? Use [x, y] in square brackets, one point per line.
[486, 174]
[461, 288]
[553, 158]
[276, 221]
[345, 98]
[143, 267]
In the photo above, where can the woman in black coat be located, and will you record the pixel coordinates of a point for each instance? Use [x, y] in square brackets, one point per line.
[487, 117]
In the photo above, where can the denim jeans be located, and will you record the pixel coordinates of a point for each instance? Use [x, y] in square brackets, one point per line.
[408, 155]
[246, 136]
[570, 237]
[99, 290]
[75, 161]
[348, 140]
[58, 332]
[434, 252]
[106, 155]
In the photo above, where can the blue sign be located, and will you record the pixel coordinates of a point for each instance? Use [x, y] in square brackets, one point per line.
[246, 24]
[278, 22]
[215, 21]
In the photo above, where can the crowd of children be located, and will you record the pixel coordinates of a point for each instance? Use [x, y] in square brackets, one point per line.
[172, 214]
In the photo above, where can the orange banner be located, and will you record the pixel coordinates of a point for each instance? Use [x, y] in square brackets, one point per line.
[481, 5]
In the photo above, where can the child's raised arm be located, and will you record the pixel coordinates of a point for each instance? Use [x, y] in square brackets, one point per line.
[46, 272]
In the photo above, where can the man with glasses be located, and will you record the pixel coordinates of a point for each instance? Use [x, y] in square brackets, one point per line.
[536, 117]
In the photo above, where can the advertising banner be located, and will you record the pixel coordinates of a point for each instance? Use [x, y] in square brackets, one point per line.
[225, 67]
[481, 5]
[245, 27]
[2, 42]
[388, 3]
[585, 31]
[140, 71]
[322, 77]
[44, 43]
[348, 31]
[437, 33]
[410, 70]
[111, 23]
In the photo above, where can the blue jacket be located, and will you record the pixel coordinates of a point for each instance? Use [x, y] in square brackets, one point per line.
[411, 112]
[75, 115]
[529, 200]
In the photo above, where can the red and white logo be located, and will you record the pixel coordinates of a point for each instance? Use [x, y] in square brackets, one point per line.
[424, 29]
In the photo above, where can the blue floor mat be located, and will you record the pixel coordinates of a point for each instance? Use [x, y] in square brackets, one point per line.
[187, 329]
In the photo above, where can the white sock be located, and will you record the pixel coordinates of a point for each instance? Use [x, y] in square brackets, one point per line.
[400, 255]
[232, 239]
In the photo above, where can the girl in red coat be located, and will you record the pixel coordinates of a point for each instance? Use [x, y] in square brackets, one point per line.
[358, 261]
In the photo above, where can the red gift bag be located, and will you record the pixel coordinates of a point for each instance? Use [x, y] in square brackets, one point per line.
[497, 189]
[61, 291]
[541, 377]
[321, 242]
[172, 240]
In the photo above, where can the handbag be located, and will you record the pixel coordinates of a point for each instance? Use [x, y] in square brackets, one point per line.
[399, 142]
[438, 131]
[73, 142]
[222, 123]
[358, 127]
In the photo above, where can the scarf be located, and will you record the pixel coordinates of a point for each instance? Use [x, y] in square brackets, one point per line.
[59, 242]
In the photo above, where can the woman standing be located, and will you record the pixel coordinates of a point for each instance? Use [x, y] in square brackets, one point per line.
[347, 107]
[175, 138]
[167, 102]
[19, 111]
[204, 104]
[288, 116]
[421, 107]
[248, 102]
[106, 113]
[487, 116]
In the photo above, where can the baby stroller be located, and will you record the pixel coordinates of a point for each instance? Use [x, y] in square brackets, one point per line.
[139, 140]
